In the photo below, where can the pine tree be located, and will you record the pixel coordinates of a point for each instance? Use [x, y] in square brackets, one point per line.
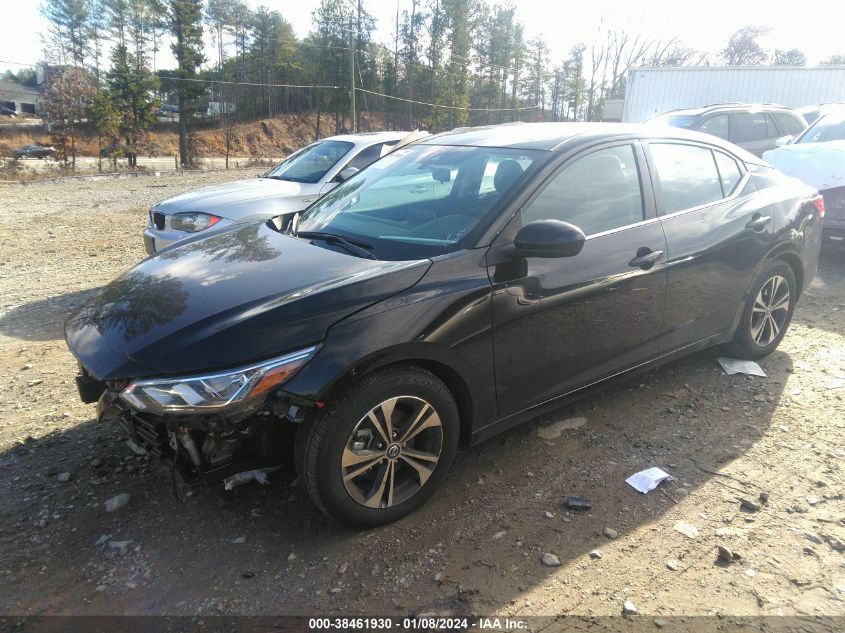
[186, 28]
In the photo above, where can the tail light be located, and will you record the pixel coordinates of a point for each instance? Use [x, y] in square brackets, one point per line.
[819, 202]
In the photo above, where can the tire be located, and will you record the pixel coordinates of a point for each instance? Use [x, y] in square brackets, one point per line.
[755, 337]
[349, 469]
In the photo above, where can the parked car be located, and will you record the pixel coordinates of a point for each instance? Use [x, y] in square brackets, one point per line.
[8, 111]
[289, 187]
[35, 151]
[752, 127]
[812, 112]
[817, 157]
[453, 289]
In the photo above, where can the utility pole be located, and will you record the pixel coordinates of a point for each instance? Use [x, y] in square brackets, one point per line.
[352, 75]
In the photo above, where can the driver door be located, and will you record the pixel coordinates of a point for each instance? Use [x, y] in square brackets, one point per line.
[559, 324]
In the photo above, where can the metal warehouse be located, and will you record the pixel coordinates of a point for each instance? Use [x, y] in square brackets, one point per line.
[652, 91]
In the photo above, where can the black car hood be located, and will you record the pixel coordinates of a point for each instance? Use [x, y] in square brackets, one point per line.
[238, 296]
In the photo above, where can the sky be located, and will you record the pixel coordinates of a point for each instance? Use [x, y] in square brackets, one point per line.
[813, 26]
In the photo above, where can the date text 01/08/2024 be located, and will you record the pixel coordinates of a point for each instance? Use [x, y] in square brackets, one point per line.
[417, 623]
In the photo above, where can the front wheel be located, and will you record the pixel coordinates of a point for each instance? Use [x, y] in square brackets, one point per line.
[381, 450]
[767, 313]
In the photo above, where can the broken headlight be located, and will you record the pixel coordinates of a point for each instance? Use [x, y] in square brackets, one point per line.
[214, 391]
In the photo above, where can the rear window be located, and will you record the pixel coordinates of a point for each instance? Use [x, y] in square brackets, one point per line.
[749, 127]
[687, 175]
[788, 123]
[830, 127]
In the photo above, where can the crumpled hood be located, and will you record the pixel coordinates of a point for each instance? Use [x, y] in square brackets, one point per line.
[243, 198]
[820, 165]
[238, 296]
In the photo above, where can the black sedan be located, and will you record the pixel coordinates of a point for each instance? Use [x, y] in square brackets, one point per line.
[34, 151]
[453, 289]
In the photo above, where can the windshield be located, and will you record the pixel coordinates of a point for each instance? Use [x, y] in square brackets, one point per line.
[685, 121]
[830, 127]
[421, 201]
[311, 162]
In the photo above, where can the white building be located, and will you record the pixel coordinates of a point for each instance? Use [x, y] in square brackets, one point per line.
[653, 91]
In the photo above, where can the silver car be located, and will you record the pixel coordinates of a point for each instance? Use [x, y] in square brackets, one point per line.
[289, 187]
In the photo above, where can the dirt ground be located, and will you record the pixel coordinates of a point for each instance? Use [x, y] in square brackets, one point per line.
[477, 547]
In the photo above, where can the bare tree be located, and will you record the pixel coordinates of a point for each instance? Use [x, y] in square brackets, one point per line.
[66, 101]
[743, 49]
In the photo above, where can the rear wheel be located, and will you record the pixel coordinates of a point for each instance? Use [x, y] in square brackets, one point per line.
[767, 313]
[382, 449]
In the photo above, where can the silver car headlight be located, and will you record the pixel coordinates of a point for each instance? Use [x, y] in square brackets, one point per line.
[193, 222]
[214, 391]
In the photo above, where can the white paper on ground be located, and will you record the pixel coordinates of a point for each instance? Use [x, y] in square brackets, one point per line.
[739, 366]
[648, 479]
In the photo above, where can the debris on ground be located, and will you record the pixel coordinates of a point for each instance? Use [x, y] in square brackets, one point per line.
[610, 533]
[578, 503]
[687, 529]
[550, 560]
[648, 479]
[554, 430]
[740, 366]
[629, 608]
[64, 477]
[749, 505]
[725, 554]
[118, 501]
[238, 479]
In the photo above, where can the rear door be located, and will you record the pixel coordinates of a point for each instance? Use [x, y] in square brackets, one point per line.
[715, 236]
[562, 323]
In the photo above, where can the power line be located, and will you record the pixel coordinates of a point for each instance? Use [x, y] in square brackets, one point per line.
[447, 107]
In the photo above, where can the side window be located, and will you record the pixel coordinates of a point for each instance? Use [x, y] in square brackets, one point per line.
[729, 172]
[750, 127]
[687, 175]
[598, 192]
[366, 157]
[788, 123]
[716, 125]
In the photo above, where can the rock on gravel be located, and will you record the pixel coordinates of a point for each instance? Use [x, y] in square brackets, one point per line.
[629, 608]
[118, 501]
[610, 533]
[550, 560]
[687, 529]
[64, 477]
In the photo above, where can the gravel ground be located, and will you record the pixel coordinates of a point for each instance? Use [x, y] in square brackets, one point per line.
[479, 546]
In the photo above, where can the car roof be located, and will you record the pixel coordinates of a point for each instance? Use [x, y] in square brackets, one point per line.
[365, 138]
[564, 136]
[730, 107]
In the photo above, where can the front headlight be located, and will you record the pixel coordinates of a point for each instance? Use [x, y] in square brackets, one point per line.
[193, 222]
[215, 391]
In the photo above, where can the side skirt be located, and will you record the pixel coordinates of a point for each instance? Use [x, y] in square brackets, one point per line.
[537, 410]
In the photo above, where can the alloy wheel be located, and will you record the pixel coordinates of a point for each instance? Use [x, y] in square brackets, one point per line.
[770, 311]
[392, 452]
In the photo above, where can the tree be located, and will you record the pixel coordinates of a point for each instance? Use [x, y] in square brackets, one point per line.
[69, 32]
[131, 87]
[104, 121]
[186, 28]
[743, 49]
[792, 57]
[834, 60]
[65, 101]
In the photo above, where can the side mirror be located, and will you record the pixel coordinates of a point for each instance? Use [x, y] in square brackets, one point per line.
[784, 140]
[548, 238]
[345, 174]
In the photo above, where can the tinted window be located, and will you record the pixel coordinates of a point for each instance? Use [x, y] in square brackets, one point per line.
[687, 175]
[716, 125]
[750, 127]
[729, 172]
[676, 120]
[310, 163]
[788, 123]
[830, 127]
[366, 157]
[596, 193]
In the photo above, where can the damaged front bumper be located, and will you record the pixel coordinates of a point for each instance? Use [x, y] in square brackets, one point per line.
[210, 449]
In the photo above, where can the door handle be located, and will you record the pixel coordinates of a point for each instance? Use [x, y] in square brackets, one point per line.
[419, 189]
[647, 260]
[758, 222]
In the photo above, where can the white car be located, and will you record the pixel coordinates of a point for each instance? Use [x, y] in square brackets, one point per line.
[289, 187]
[817, 157]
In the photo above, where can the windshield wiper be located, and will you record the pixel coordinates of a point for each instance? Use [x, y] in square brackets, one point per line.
[362, 249]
